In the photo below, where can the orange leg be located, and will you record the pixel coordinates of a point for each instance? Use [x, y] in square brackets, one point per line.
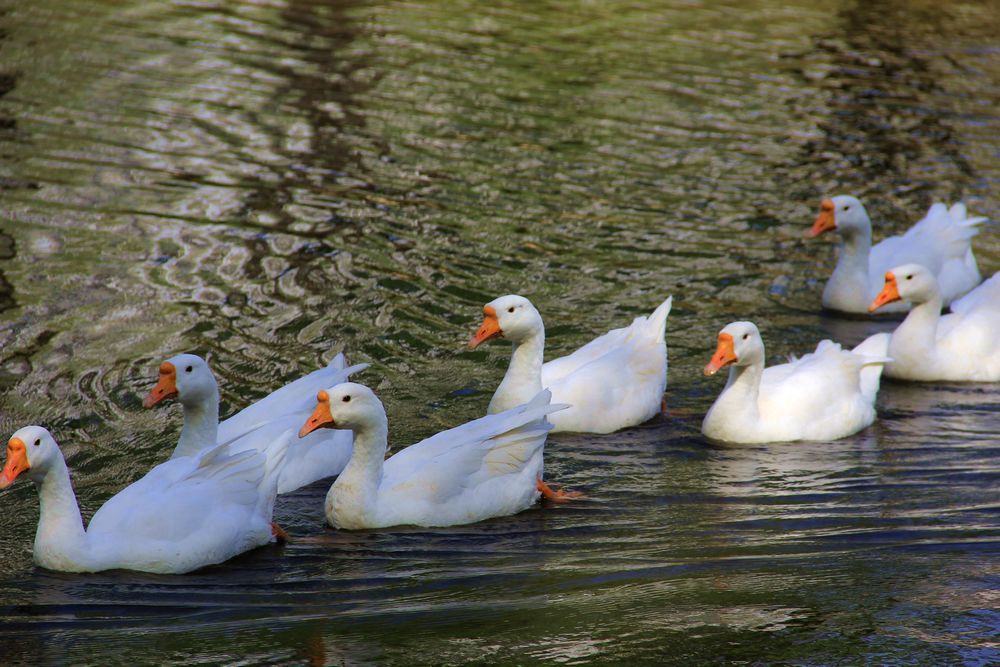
[559, 496]
[279, 533]
[663, 405]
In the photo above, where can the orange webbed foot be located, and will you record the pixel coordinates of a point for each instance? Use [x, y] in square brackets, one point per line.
[557, 496]
[279, 533]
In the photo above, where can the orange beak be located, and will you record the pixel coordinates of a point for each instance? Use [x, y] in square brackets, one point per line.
[825, 221]
[725, 354]
[165, 388]
[17, 462]
[321, 417]
[888, 294]
[489, 329]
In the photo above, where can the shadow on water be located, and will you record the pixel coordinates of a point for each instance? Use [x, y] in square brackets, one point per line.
[6, 289]
[883, 134]
[10, 365]
[8, 125]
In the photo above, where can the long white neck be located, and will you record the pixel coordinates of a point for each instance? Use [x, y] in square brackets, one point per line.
[352, 501]
[736, 407]
[523, 380]
[61, 541]
[850, 285]
[201, 426]
[914, 341]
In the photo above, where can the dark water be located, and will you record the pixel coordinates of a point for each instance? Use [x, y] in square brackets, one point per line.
[272, 182]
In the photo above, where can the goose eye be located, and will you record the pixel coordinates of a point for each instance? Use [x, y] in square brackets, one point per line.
[347, 399]
[38, 442]
[511, 309]
[189, 369]
[746, 336]
[909, 277]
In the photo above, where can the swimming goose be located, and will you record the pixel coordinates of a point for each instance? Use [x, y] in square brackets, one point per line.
[485, 468]
[188, 378]
[615, 381]
[941, 241]
[926, 346]
[825, 395]
[184, 514]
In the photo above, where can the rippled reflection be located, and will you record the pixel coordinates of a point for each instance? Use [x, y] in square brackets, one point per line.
[271, 183]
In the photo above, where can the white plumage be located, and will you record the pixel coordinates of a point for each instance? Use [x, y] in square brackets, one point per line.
[321, 455]
[963, 346]
[485, 468]
[184, 514]
[825, 395]
[941, 241]
[615, 381]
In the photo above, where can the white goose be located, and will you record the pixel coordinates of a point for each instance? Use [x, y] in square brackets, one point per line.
[486, 468]
[613, 382]
[825, 395]
[184, 514]
[941, 241]
[962, 346]
[188, 378]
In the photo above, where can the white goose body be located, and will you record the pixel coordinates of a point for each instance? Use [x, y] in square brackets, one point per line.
[613, 382]
[825, 395]
[941, 241]
[485, 468]
[183, 515]
[963, 346]
[255, 427]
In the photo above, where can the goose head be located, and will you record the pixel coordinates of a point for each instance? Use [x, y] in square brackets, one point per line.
[739, 344]
[31, 450]
[347, 405]
[843, 213]
[908, 282]
[186, 377]
[512, 317]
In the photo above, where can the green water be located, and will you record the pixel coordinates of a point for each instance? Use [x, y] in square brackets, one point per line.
[270, 183]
